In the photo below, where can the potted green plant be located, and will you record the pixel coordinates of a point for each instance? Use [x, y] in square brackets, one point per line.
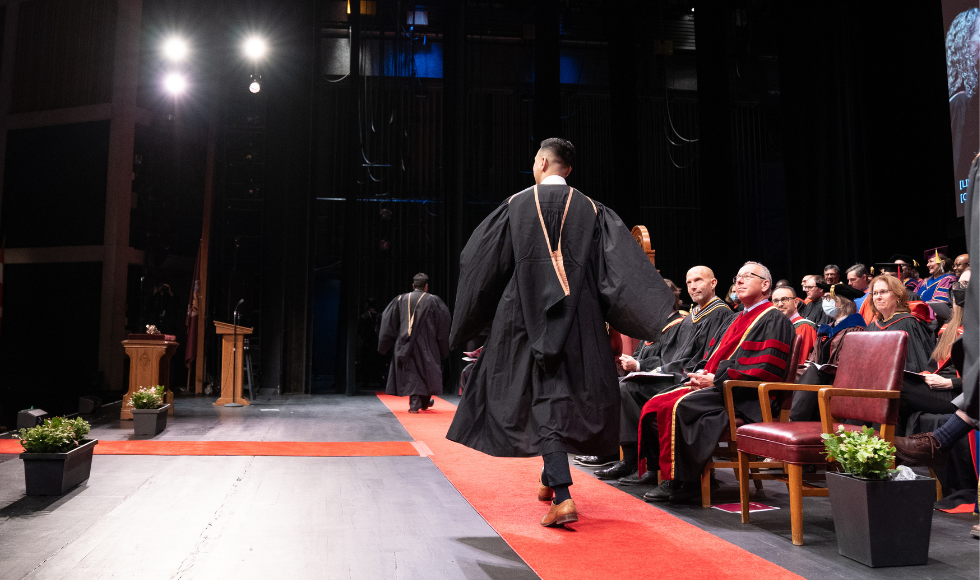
[149, 412]
[880, 520]
[57, 456]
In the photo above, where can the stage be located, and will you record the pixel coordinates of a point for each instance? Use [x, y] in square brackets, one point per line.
[432, 510]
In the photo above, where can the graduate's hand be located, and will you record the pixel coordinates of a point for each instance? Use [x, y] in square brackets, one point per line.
[937, 382]
[629, 363]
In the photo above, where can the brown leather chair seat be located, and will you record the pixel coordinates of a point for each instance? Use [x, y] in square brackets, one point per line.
[798, 443]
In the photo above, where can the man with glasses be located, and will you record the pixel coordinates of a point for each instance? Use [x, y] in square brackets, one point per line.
[679, 429]
[784, 298]
[814, 300]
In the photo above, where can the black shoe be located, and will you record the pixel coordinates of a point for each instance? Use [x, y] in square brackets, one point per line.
[427, 404]
[648, 478]
[595, 461]
[661, 492]
[684, 491]
[616, 470]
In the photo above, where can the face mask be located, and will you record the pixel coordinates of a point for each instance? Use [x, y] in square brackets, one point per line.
[830, 308]
[733, 296]
[959, 296]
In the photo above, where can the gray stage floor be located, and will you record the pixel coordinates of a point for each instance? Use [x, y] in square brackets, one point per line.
[149, 517]
[367, 517]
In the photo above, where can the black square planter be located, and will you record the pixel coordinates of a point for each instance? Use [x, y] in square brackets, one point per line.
[150, 422]
[882, 522]
[56, 473]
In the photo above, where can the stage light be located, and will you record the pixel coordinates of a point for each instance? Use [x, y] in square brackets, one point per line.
[175, 83]
[255, 87]
[255, 48]
[175, 49]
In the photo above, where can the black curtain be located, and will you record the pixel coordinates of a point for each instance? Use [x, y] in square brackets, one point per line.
[868, 157]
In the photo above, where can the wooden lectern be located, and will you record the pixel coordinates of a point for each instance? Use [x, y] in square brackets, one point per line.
[229, 360]
[149, 365]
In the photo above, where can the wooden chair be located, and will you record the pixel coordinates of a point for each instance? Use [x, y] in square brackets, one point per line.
[866, 387]
[728, 437]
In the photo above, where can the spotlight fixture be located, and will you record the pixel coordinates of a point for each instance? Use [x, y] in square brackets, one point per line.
[255, 87]
[175, 49]
[255, 48]
[175, 83]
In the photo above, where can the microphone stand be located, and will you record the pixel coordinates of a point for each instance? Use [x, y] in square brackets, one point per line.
[234, 356]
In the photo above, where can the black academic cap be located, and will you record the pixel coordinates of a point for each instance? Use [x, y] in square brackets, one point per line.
[843, 290]
[882, 267]
[907, 259]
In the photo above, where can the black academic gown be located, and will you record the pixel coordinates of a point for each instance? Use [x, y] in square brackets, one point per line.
[416, 365]
[971, 308]
[650, 355]
[546, 381]
[702, 327]
[814, 313]
[921, 341]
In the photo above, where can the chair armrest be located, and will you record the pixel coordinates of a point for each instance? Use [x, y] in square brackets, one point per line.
[826, 393]
[730, 402]
[765, 388]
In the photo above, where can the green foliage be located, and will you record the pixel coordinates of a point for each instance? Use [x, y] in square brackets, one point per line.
[56, 435]
[861, 453]
[148, 398]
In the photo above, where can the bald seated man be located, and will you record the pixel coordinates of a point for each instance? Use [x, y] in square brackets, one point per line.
[709, 319]
[961, 264]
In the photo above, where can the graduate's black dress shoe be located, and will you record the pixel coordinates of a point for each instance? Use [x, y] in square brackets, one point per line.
[429, 403]
[595, 461]
[615, 471]
[648, 478]
[661, 492]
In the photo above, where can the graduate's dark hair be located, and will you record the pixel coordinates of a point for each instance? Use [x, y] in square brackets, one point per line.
[562, 149]
[420, 281]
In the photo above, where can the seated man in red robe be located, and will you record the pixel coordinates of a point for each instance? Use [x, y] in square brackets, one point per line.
[679, 429]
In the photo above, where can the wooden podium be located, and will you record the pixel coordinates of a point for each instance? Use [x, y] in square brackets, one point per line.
[149, 365]
[229, 360]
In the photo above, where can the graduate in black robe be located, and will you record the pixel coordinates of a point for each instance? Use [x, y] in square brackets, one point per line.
[417, 326]
[550, 267]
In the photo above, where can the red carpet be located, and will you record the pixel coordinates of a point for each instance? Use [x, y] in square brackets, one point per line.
[619, 536]
[259, 448]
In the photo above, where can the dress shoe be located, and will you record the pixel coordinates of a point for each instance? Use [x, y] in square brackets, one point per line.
[919, 449]
[427, 404]
[684, 490]
[648, 478]
[595, 461]
[661, 492]
[413, 411]
[560, 514]
[615, 471]
[545, 493]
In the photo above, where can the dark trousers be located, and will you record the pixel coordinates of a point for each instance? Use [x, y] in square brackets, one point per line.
[805, 403]
[635, 394]
[416, 402]
[556, 471]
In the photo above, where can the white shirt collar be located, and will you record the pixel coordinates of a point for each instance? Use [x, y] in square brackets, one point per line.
[553, 180]
[756, 305]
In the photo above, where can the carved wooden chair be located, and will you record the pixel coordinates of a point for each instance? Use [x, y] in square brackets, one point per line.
[866, 387]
